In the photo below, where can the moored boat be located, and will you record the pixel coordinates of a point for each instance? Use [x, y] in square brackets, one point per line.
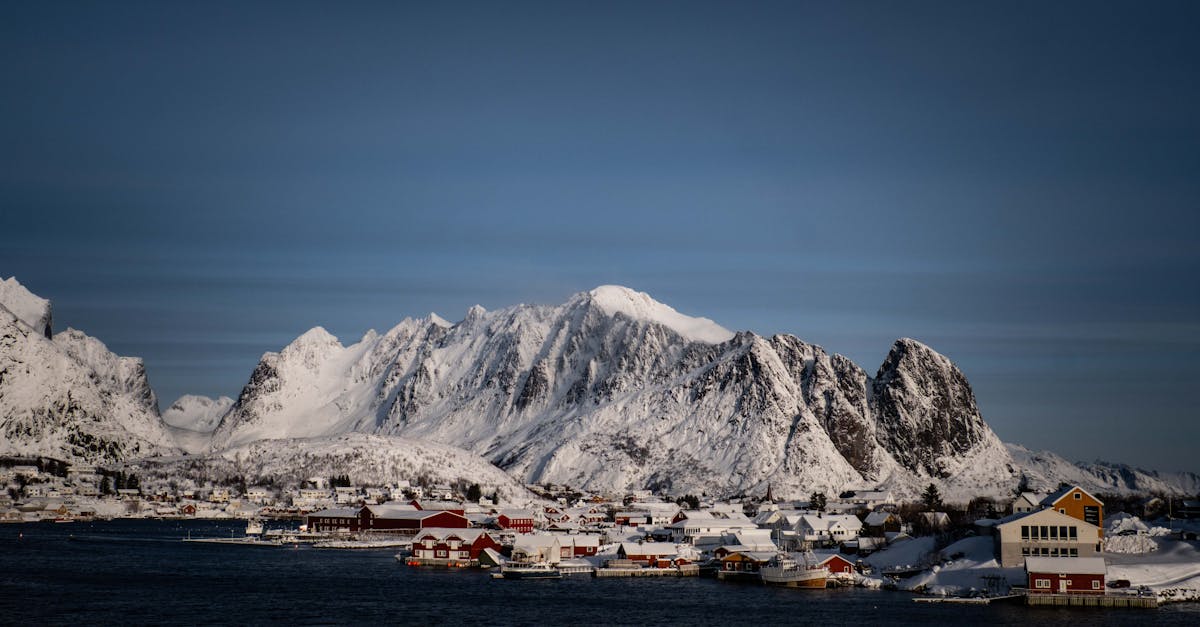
[784, 570]
[533, 570]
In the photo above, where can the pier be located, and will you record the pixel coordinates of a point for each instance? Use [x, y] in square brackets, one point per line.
[689, 570]
[1091, 600]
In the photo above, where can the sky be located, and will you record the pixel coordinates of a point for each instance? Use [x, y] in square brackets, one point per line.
[1015, 184]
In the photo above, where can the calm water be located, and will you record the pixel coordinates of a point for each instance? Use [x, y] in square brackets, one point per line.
[139, 572]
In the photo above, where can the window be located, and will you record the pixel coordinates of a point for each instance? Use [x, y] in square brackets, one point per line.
[1074, 532]
[1062, 532]
[1062, 511]
[1078, 496]
[1024, 532]
[1025, 551]
[1041, 583]
[1074, 552]
[1053, 533]
[1045, 532]
[440, 553]
[1054, 552]
[1095, 584]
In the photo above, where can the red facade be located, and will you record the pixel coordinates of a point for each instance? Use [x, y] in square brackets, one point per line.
[520, 525]
[838, 564]
[452, 546]
[1059, 583]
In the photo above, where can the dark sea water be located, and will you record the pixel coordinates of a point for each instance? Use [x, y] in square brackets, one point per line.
[139, 572]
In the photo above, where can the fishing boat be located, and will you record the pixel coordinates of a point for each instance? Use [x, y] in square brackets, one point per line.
[785, 570]
[253, 537]
[530, 570]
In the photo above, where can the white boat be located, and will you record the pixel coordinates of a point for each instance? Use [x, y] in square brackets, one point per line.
[784, 570]
[529, 570]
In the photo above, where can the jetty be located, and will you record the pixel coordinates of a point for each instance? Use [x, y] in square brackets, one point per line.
[970, 600]
[1092, 600]
[683, 570]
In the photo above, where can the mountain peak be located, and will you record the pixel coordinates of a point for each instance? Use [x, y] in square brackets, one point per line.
[316, 335]
[26, 306]
[616, 299]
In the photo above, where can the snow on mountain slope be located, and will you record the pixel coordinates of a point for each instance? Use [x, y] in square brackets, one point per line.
[615, 299]
[27, 307]
[367, 459]
[197, 413]
[70, 397]
[1045, 470]
[612, 390]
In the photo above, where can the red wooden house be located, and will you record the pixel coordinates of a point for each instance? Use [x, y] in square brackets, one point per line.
[652, 554]
[1065, 575]
[452, 545]
[517, 520]
[398, 519]
[838, 565]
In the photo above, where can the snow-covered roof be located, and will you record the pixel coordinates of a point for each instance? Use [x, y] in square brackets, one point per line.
[1066, 565]
[441, 533]
[874, 519]
[337, 512]
[388, 510]
[829, 521]
[649, 548]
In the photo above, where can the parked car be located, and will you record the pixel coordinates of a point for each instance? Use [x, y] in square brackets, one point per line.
[1118, 583]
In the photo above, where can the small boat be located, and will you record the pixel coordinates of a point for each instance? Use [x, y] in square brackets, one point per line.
[531, 570]
[784, 570]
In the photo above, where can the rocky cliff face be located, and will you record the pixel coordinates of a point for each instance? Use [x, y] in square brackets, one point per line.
[612, 390]
[70, 397]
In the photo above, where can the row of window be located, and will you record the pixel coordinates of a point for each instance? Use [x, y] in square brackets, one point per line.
[1049, 552]
[1045, 584]
[1049, 532]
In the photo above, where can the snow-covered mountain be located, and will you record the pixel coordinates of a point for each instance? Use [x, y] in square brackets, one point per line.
[197, 413]
[1045, 470]
[66, 395]
[612, 390]
[608, 391]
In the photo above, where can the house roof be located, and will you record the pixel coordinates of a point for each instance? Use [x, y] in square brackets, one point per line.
[649, 548]
[1056, 496]
[826, 522]
[441, 533]
[874, 519]
[1066, 565]
[390, 509]
[337, 512]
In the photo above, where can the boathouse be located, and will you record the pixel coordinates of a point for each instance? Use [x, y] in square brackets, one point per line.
[1065, 575]
[651, 554]
[838, 565]
[434, 545]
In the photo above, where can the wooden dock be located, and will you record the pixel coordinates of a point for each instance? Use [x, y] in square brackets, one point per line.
[970, 600]
[1092, 600]
[690, 570]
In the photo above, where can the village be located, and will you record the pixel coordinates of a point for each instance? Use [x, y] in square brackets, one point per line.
[1065, 547]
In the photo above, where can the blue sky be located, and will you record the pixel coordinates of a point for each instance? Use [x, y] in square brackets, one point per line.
[1017, 185]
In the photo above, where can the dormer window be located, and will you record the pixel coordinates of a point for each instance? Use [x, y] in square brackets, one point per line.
[1078, 496]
